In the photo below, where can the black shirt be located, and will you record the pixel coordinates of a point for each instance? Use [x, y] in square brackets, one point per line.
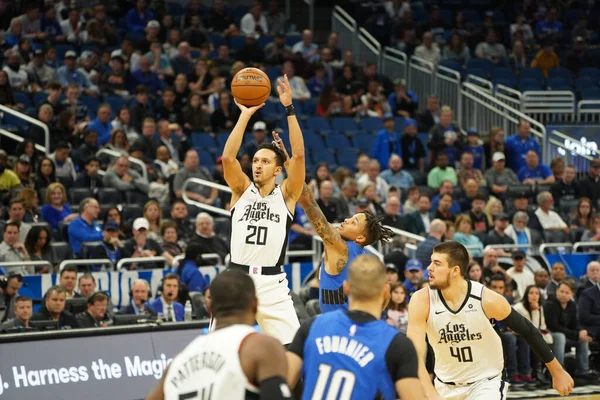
[479, 224]
[400, 358]
[564, 191]
[562, 320]
[412, 151]
[173, 115]
[331, 210]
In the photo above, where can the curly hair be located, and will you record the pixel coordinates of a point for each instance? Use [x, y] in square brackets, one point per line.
[375, 231]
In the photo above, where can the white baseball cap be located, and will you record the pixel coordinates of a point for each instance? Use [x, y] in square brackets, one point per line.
[141, 223]
[259, 126]
[498, 156]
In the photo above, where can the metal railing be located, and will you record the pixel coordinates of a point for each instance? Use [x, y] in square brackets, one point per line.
[577, 245]
[20, 139]
[369, 49]
[482, 83]
[420, 76]
[549, 106]
[207, 207]
[99, 261]
[142, 260]
[394, 63]
[588, 111]
[347, 29]
[509, 96]
[27, 118]
[133, 160]
[24, 264]
[574, 152]
[447, 87]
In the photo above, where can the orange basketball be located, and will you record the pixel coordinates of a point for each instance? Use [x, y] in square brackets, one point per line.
[251, 87]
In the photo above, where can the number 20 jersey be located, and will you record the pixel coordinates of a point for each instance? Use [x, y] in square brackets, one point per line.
[466, 346]
[260, 228]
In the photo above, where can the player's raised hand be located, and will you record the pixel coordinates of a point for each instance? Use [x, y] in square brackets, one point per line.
[248, 110]
[285, 91]
[562, 382]
[278, 142]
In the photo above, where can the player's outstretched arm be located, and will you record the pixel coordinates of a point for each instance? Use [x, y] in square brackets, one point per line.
[418, 310]
[296, 169]
[264, 362]
[496, 307]
[158, 392]
[236, 179]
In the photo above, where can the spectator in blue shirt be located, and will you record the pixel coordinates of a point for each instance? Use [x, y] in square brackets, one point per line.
[534, 171]
[84, 228]
[68, 74]
[56, 209]
[50, 26]
[317, 83]
[102, 124]
[306, 47]
[14, 33]
[403, 103]
[146, 77]
[138, 17]
[446, 187]
[517, 146]
[396, 176]
[188, 268]
[549, 28]
[475, 147]
[387, 142]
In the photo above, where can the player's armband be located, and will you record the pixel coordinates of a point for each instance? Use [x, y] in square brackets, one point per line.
[531, 334]
[275, 388]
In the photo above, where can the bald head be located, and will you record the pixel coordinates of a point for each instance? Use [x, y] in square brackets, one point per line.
[437, 228]
[366, 277]
[593, 271]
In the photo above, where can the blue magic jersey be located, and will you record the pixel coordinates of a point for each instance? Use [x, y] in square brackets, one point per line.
[346, 360]
[331, 292]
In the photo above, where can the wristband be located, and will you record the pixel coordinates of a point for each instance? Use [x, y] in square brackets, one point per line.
[289, 110]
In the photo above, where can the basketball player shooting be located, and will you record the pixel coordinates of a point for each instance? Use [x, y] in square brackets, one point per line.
[457, 316]
[353, 354]
[234, 362]
[261, 217]
[342, 244]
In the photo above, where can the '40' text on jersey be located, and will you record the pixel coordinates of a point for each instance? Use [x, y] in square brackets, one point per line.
[257, 211]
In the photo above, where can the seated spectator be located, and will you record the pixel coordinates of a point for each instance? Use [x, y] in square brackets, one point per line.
[534, 171]
[171, 136]
[467, 170]
[141, 109]
[153, 214]
[347, 197]
[396, 312]
[519, 273]
[87, 149]
[167, 111]
[259, 138]
[254, 21]
[196, 115]
[23, 310]
[12, 250]
[318, 82]
[442, 172]
[549, 219]
[457, 50]
[499, 178]
[541, 279]
[557, 274]
[46, 174]
[191, 169]
[429, 50]
[395, 176]
[561, 318]
[277, 52]
[30, 200]
[517, 60]
[297, 83]
[412, 198]
[123, 121]
[592, 234]
[546, 59]
[111, 246]
[392, 212]
[118, 79]
[392, 275]
[437, 230]
[418, 221]
[36, 133]
[517, 146]
[479, 221]
[182, 63]
[374, 100]
[223, 118]
[464, 236]
[470, 191]
[69, 74]
[102, 125]
[119, 142]
[367, 197]
[56, 209]
[143, 247]
[24, 171]
[521, 234]
[53, 308]
[549, 29]
[170, 242]
[179, 214]
[498, 235]
[89, 177]
[579, 56]
[8, 179]
[87, 287]
[445, 187]
[566, 187]
[583, 215]
[430, 117]
[187, 270]
[591, 279]
[84, 228]
[329, 205]
[491, 49]
[165, 305]
[147, 77]
[413, 272]
[73, 103]
[306, 47]
[521, 203]
[206, 238]
[474, 272]
[396, 255]
[16, 212]
[40, 73]
[412, 148]
[494, 144]
[73, 27]
[164, 163]
[140, 293]
[17, 73]
[95, 315]
[387, 142]
[195, 34]
[123, 178]
[138, 17]
[475, 148]
[443, 137]
[493, 208]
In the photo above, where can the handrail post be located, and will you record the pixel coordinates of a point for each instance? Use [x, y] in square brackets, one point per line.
[31, 121]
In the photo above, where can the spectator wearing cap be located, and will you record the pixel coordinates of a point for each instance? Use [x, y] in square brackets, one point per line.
[387, 142]
[549, 219]
[446, 187]
[73, 28]
[68, 74]
[152, 28]
[498, 235]
[254, 21]
[40, 73]
[8, 179]
[579, 56]
[534, 171]
[479, 220]
[474, 147]
[429, 50]
[519, 273]
[84, 228]
[590, 185]
[143, 247]
[138, 17]
[182, 63]
[546, 58]
[413, 272]
[396, 176]
[111, 247]
[17, 74]
[24, 171]
[517, 146]
[146, 77]
[89, 178]
[443, 137]
[87, 63]
[442, 172]
[123, 178]
[437, 230]
[411, 147]
[468, 170]
[392, 274]
[403, 103]
[498, 177]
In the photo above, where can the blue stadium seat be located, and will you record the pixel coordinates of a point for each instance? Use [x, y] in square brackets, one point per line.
[217, 39]
[344, 124]
[532, 73]
[23, 98]
[347, 158]
[236, 42]
[269, 111]
[39, 98]
[481, 63]
[505, 76]
[292, 38]
[323, 156]
[590, 94]
[371, 124]
[585, 82]
[478, 72]
[92, 104]
[273, 73]
[318, 124]
[337, 141]
[264, 40]
[116, 102]
[364, 142]
[312, 140]
[528, 84]
[560, 72]
[559, 84]
[222, 138]
[283, 124]
[453, 65]
[309, 107]
[206, 158]
[61, 50]
[204, 141]
[590, 72]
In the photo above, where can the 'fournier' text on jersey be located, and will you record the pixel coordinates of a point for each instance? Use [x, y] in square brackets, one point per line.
[259, 228]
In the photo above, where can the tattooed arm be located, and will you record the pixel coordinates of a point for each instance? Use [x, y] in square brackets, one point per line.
[336, 249]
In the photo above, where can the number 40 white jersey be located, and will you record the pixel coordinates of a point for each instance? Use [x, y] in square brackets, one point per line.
[466, 346]
[260, 228]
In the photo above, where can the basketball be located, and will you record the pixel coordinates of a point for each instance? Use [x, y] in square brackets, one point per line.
[251, 87]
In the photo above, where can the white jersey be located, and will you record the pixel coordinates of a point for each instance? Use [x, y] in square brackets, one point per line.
[210, 368]
[260, 228]
[466, 346]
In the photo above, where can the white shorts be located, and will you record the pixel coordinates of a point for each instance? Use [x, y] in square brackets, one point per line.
[485, 389]
[276, 314]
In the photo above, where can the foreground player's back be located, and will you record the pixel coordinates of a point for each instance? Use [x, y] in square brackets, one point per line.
[210, 368]
[345, 357]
